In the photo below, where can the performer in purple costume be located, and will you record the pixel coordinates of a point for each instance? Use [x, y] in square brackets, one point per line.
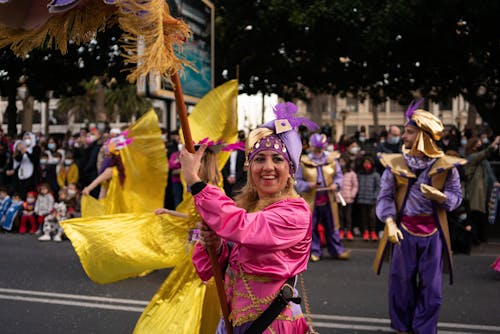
[321, 170]
[417, 188]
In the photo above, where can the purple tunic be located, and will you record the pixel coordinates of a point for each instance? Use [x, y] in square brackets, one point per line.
[302, 186]
[417, 203]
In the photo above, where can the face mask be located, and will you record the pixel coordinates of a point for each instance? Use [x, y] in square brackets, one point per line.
[463, 142]
[76, 145]
[43, 161]
[56, 160]
[27, 142]
[71, 193]
[393, 140]
[462, 217]
[30, 200]
[367, 166]
[164, 137]
[51, 146]
[68, 162]
[486, 141]
[361, 139]
[354, 150]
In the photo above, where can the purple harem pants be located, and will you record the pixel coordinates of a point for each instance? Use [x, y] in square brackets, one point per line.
[323, 213]
[415, 283]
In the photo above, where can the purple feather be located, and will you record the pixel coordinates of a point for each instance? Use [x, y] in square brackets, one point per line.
[288, 110]
[412, 107]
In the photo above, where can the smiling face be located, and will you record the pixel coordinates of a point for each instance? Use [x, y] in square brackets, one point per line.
[269, 172]
[410, 136]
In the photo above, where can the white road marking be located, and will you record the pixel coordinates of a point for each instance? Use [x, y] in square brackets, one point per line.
[319, 320]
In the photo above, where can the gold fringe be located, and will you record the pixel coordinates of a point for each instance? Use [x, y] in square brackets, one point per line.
[160, 32]
[78, 25]
[151, 20]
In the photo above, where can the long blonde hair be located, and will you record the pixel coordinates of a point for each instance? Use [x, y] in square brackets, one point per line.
[209, 169]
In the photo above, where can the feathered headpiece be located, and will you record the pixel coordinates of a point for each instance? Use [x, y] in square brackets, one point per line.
[431, 130]
[115, 144]
[284, 139]
[318, 140]
[219, 145]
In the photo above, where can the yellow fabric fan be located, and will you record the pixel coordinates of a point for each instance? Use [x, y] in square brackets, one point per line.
[146, 169]
[114, 247]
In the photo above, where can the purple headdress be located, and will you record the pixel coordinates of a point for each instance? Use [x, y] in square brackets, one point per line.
[284, 128]
[318, 140]
[287, 111]
[414, 105]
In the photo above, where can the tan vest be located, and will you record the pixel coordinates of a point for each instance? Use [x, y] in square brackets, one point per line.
[310, 174]
[402, 174]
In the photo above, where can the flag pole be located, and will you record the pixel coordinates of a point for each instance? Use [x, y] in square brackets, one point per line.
[212, 253]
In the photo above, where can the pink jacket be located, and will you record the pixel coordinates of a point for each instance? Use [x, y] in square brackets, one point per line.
[349, 187]
[269, 246]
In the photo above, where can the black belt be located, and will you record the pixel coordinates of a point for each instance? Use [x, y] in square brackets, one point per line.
[274, 309]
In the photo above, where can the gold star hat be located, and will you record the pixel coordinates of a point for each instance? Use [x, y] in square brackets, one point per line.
[431, 130]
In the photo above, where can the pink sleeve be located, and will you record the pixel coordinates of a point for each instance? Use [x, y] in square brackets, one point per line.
[201, 261]
[279, 226]
[354, 184]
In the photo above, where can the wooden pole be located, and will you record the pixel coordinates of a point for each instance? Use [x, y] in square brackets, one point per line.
[212, 252]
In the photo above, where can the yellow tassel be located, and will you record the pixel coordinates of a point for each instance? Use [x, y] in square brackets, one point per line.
[150, 20]
[160, 32]
[78, 25]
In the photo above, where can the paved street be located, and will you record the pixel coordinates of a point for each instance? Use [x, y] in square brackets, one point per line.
[43, 289]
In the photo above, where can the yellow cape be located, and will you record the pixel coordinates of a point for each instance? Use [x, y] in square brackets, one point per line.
[114, 247]
[146, 168]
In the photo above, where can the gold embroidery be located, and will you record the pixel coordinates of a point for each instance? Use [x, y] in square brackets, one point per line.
[254, 309]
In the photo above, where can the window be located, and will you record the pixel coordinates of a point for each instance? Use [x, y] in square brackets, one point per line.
[352, 104]
[445, 104]
[396, 107]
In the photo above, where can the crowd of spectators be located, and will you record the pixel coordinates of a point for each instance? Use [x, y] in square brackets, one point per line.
[33, 167]
[41, 178]
[468, 224]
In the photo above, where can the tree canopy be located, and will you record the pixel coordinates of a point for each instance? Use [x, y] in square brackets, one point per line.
[381, 49]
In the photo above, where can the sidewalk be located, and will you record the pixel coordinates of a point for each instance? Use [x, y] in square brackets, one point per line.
[491, 247]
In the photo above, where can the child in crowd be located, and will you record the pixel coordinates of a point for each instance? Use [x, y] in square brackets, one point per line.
[43, 205]
[52, 229]
[48, 172]
[369, 187]
[348, 190]
[73, 202]
[69, 172]
[12, 213]
[28, 215]
[5, 200]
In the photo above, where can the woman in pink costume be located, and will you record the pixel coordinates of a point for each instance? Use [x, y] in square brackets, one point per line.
[263, 239]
